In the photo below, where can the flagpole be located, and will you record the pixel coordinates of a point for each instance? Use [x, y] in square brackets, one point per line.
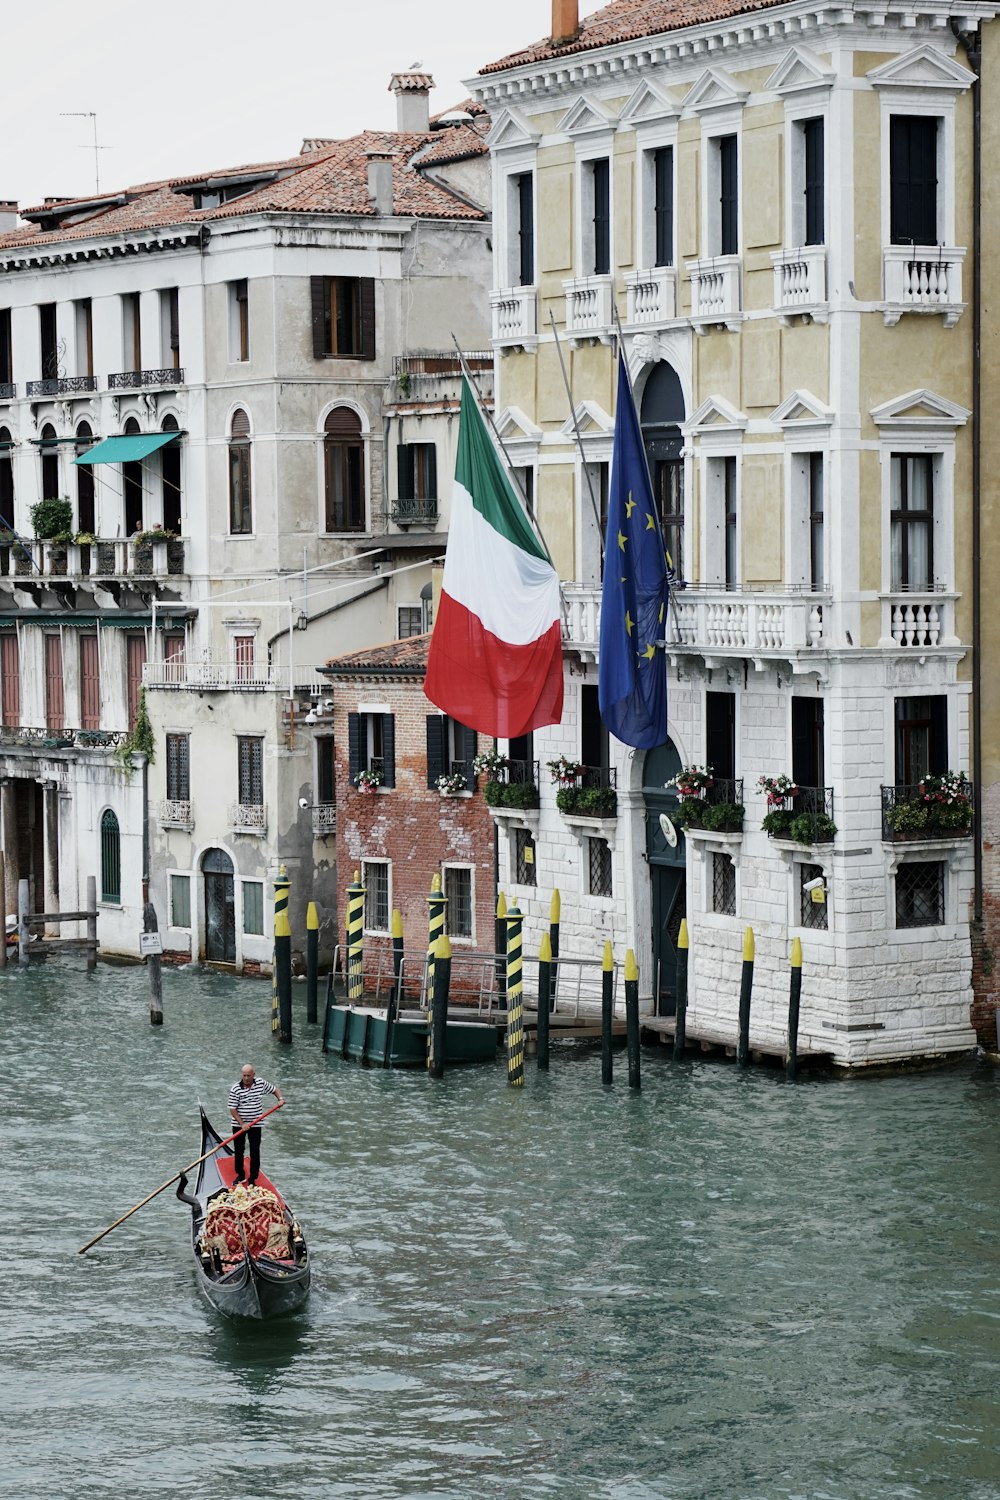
[576, 429]
[528, 509]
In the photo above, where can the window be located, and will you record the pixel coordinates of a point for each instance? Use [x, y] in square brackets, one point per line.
[808, 761]
[409, 620]
[180, 901]
[48, 450]
[243, 657]
[663, 205]
[178, 768]
[524, 871]
[6, 479]
[343, 317]
[662, 414]
[523, 186]
[728, 170]
[240, 507]
[170, 328]
[10, 678]
[913, 213]
[813, 181]
[912, 521]
[84, 323]
[170, 473]
[86, 519]
[524, 485]
[253, 908]
[597, 210]
[595, 745]
[239, 321]
[90, 682]
[131, 332]
[720, 734]
[55, 711]
[250, 760]
[723, 885]
[173, 647]
[6, 349]
[921, 738]
[599, 867]
[326, 770]
[812, 913]
[371, 743]
[132, 485]
[375, 878]
[920, 895]
[817, 571]
[458, 912]
[48, 341]
[135, 648]
[416, 470]
[450, 750]
[344, 471]
[668, 492]
[111, 859]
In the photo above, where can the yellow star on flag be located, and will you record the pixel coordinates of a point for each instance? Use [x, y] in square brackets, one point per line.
[649, 652]
[621, 541]
[629, 504]
[629, 622]
[650, 522]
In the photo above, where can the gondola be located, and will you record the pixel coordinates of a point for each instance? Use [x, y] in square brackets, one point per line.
[250, 1255]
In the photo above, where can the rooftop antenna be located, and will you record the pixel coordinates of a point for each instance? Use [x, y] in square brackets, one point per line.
[88, 114]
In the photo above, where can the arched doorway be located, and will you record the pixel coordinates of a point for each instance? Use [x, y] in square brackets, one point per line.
[220, 907]
[661, 417]
[667, 871]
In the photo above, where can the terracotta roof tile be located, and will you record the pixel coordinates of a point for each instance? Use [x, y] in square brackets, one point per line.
[399, 658]
[629, 20]
[456, 143]
[410, 83]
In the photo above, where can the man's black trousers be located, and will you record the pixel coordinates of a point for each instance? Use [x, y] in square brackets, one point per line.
[253, 1136]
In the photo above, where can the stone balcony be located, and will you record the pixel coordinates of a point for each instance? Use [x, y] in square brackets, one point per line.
[27, 559]
[590, 302]
[922, 279]
[515, 317]
[800, 283]
[715, 292]
[652, 296]
[918, 621]
[213, 673]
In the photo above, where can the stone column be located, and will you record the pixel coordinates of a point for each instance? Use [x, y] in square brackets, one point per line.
[8, 808]
[50, 795]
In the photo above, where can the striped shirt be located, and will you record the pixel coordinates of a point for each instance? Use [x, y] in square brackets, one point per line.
[249, 1103]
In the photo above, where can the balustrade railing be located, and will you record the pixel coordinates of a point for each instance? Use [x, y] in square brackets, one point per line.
[26, 557]
[515, 315]
[799, 278]
[175, 815]
[209, 671]
[715, 289]
[248, 817]
[923, 278]
[589, 307]
[918, 620]
[135, 380]
[47, 736]
[652, 295]
[324, 820]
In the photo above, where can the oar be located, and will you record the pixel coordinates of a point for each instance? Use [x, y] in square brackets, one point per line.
[177, 1175]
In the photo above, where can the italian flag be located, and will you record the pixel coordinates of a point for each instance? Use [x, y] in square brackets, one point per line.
[495, 658]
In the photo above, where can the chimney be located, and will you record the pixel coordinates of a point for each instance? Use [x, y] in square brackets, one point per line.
[8, 216]
[565, 21]
[413, 110]
[380, 182]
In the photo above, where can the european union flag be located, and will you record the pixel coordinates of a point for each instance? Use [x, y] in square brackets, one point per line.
[631, 675]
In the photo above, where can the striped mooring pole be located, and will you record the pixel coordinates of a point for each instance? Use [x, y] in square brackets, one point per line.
[438, 1023]
[281, 887]
[632, 1018]
[312, 961]
[554, 944]
[355, 940]
[794, 996]
[515, 1001]
[607, 1012]
[437, 904]
[283, 970]
[746, 990]
[546, 972]
[395, 1002]
[501, 947]
[680, 1023]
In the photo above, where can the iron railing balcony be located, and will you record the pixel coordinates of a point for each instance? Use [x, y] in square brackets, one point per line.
[248, 817]
[135, 380]
[911, 812]
[8, 392]
[812, 803]
[413, 511]
[175, 815]
[590, 792]
[324, 820]
[61, 385]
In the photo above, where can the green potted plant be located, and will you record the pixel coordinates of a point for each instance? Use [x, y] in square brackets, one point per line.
[85, 541]
[812, 828]
[777, 821]
[588, 802]
[691, 812]
[58, 554]
[52, 517]
[907, 820]
[724, 817]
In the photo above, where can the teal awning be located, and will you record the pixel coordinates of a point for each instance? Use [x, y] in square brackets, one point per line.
[126, 449]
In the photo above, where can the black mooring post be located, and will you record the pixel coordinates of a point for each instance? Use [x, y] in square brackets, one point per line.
[680, 1020]
[153, 967]
[632, 1018]
[554, 912]
[395, 1002]
[439, 1005]
[794, 996]
[500, 926]
[312, 962]
[607, 1012]
[544, 989]
[746, 990]
[283, 972]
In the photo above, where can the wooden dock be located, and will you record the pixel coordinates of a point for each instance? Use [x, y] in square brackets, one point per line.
[707, 1039]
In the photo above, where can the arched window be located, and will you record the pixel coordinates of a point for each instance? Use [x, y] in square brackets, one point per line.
[170, 460]
[344, 471]
[49, 450]
[6, 480]
[85, 520]
[132, 485]
[111, 859]
[662, 415]
[240, 494]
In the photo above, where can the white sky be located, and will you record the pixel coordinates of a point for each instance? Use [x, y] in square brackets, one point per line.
[193, 85]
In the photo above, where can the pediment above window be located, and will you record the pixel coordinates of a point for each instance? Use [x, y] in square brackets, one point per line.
[510, 129]
[798, 71]
[716, 415]
[715, 89]
[920, 409]
[923, 68]
[801, 409]
[516, 428]
[591, 421]
[585, 118]
[648, 104]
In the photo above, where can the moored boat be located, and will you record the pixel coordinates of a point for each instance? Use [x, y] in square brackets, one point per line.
[251, 1259]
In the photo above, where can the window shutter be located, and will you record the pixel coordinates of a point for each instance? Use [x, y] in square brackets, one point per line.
[353, 744]
[663, 171]
[389, 749]
[436, 729]
[431, 477]
[939, 736]
[404, 471]
[729, 196]
[366, 287]
[814, 184]
[470, 744]
[317, 293]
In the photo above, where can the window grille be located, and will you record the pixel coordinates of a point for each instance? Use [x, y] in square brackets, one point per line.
[375, 875]
[178, 768]
[920, 895]
[723, 885]
[599, 862]
[524, 858]
[111, 859]
[813, 914]
[251, 770]
[458, 912]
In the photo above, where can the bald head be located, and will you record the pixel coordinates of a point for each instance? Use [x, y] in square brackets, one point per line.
[247, 1073]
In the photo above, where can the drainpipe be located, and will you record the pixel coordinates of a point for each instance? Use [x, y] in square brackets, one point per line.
[971, 42]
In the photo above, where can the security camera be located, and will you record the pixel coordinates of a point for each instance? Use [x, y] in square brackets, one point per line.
[814, 885]
[304, 803]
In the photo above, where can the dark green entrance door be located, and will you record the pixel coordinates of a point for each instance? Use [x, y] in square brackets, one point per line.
[667, 871]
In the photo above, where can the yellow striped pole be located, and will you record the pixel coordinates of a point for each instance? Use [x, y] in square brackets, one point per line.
[438, 1025]
[746, 991]
[437, 903]
[355, 940]
[281, 886]
[515, 1001]
[545, 969]
[554, 909]
[680, 1025]
[283, 970]
[794, 997]
[395, 1002]
[632, 1018]
[501, 946]
[312, 961]
[607, 1012]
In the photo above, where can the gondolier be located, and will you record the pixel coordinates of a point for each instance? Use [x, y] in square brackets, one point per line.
[247, 1102]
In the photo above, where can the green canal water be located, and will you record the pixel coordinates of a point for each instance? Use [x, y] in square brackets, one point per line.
[727, 1286]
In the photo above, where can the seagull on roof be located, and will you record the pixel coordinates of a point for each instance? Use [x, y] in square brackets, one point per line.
[414, 66]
